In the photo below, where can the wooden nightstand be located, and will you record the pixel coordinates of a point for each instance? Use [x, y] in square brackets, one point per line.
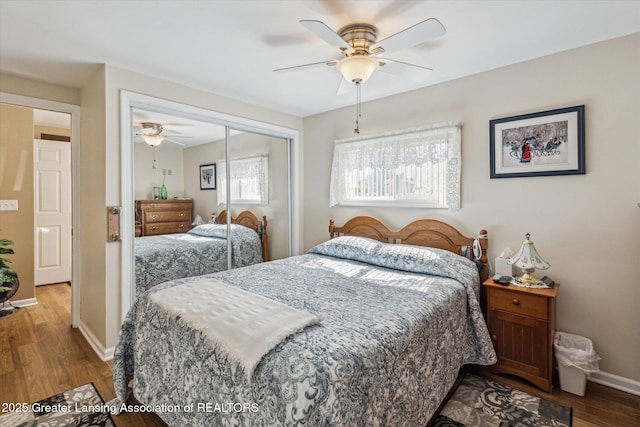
[521, 323]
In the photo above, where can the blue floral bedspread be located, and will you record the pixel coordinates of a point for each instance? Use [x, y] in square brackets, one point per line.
[202, 250]
[387, 351]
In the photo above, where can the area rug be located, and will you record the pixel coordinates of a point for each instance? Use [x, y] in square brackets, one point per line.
[81, 406]
[479, 402]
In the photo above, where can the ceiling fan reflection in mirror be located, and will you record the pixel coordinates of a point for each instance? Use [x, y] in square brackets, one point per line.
[151, 133]
[361, 52]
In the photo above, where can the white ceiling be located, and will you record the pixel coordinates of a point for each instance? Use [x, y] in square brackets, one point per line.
[231, 47]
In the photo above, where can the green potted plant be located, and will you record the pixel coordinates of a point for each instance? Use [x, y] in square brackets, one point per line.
[8, 277]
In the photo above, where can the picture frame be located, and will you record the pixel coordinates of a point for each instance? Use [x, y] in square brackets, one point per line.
[208, 176]
[545, 143]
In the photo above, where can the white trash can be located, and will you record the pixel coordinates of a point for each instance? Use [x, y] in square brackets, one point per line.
[576, 359]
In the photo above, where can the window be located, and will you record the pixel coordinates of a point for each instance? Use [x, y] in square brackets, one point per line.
[413, 167]
[249, 180]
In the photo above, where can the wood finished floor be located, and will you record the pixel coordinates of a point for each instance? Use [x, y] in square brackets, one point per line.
[41, 355]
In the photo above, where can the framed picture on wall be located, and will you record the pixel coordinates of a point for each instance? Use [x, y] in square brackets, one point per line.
[208, 177]
[538, 144]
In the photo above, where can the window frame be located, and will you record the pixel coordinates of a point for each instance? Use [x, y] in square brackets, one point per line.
[264, 193]
[448, 196]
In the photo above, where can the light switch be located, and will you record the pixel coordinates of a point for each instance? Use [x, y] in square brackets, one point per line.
[8, 205]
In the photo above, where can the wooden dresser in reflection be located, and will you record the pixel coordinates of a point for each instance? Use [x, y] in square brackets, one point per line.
[163, 216]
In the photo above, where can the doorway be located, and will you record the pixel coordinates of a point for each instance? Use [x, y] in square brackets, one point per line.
[74, 112]
[53, 196]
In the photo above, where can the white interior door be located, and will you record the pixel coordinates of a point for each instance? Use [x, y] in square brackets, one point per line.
[52, 211]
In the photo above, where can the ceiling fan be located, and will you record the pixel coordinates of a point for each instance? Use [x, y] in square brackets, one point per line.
[361, 51]
[151, 133]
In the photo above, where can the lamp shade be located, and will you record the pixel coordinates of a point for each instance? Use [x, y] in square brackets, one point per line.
[153, 141]
[357, 69]
[198, 220]
[528, 259]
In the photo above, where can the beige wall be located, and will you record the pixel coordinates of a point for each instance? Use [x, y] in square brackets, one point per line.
[586, 226]
[204, 201]
[16, 183]
[93, 229]
[35, 89]
[145, 177]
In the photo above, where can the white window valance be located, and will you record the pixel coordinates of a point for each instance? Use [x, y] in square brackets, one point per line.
[411, 167]
[249, 180]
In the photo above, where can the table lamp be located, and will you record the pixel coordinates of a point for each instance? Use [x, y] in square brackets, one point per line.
[528, 259]
[198, 220]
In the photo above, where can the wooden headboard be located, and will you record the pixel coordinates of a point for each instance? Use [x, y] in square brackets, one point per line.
[250, 220]
[423, 232]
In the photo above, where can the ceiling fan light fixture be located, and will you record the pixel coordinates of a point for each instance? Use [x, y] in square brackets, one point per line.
[151, 129]
[357, 69]
[153, 141]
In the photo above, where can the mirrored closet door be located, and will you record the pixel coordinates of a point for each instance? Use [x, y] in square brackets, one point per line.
[174, 192]
[188, 175]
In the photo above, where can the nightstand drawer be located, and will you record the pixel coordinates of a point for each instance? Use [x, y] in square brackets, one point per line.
[518, 303]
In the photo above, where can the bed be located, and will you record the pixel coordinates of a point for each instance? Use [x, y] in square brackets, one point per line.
[391, 326]
[202, 250]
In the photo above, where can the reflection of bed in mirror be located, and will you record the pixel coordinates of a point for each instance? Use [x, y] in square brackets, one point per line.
[385, 330]
[250, 220]
[202, 250]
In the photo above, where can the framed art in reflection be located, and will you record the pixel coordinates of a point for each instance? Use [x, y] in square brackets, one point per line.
[208, 177]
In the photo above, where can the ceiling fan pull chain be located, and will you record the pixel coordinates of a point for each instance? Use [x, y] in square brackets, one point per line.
[153, 165]
[358, 111]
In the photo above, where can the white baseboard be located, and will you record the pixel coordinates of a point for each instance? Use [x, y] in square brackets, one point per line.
[614, 381]
[22, 302]
[108, 353]
[104, 354]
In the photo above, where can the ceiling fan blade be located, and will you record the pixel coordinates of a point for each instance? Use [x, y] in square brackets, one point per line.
[404, 69]
[321, 30]
[302, 67]
[419, 33]
[173, 135]
[164, 125]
